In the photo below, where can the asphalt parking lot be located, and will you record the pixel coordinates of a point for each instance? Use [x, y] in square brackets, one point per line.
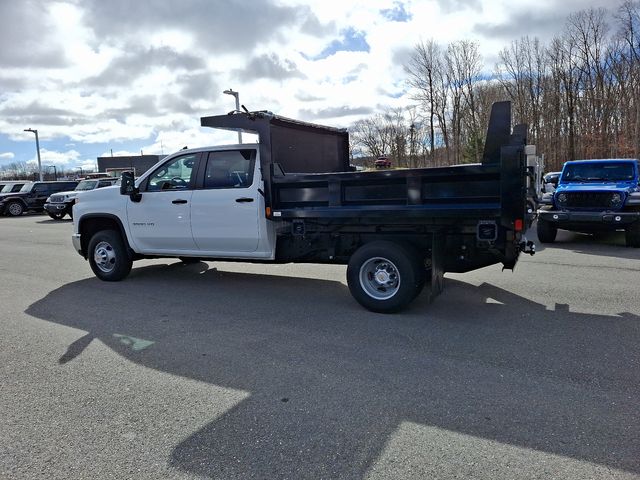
[238, 371]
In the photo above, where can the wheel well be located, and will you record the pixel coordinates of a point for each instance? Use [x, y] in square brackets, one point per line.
[16, 199]
[89, 226]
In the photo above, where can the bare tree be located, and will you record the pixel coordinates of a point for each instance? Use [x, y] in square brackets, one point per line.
[628, 70]
[425, 72]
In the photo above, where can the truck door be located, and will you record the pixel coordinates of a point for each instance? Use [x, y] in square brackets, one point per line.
[224, 207]
[161, 221]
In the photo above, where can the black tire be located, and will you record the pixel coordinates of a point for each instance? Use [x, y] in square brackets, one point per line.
[108, 256]
[401, 276]
[56, 216]
[632, 235]
[14, 209]
[189, 260]
[547, 231]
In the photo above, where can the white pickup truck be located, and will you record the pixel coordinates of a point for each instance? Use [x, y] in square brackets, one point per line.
[397, 230]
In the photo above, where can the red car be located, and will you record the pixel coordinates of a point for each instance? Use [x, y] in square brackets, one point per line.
[382, 162]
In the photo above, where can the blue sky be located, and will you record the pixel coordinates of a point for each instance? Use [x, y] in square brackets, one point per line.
[94, 76]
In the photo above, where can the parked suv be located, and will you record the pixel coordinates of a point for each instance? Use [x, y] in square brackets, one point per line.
[60, 204]
[594, 196]
[382, 162]
[31, 197]
[12, 185]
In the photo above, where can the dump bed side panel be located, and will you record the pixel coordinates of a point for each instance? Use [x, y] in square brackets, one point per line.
[431, 192]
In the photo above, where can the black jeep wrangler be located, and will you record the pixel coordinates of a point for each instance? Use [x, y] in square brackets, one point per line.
[31, 197]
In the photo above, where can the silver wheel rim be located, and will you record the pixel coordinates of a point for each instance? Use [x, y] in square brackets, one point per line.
[379, 278]
[15, 209]
[104, 257]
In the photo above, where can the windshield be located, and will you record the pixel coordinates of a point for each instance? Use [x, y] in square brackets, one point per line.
[27, 187]
[86, 185]
[598, 172]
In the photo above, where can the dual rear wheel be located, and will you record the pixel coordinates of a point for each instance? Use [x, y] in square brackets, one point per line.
[384, 276]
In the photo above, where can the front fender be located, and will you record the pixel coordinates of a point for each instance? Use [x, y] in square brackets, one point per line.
[90, 223]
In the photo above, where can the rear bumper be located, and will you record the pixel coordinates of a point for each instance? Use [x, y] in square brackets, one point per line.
[605, 219]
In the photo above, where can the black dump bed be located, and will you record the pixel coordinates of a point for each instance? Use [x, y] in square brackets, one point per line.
[319, 184]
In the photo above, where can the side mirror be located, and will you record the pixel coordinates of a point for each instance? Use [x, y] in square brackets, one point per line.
[128, 186]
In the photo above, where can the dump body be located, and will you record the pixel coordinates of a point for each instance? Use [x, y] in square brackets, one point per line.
[310, 187]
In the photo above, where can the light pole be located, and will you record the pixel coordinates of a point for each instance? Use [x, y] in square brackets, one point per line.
[237, 96]
[38, 149]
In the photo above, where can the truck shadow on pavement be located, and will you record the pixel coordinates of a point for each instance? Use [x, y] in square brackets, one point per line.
[330, 384]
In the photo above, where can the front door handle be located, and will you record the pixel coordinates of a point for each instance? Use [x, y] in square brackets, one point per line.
[179, 201]
[244, 200]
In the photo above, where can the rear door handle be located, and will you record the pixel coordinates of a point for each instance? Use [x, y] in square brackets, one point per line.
[179, 201]
[244, 200]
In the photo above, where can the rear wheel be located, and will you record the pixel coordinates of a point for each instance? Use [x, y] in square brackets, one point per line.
[547, 231]
[15, 209]
[632, 235]
[108, 256]
[384, 276]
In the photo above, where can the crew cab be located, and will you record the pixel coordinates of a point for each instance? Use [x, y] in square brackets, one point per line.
[594, 196]
[293, 197]
[31, 197]
[60, 204]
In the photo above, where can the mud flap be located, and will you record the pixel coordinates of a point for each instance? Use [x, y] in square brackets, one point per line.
[435, 281]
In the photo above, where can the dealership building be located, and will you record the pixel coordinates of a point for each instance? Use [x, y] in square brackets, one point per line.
[138, 164]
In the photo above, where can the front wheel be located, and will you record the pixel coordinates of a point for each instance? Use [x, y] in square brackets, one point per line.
[632, 235]
[385, 277]
[108, 256]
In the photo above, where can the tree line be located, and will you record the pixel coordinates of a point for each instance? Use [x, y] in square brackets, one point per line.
[579, 93]
[29, 171]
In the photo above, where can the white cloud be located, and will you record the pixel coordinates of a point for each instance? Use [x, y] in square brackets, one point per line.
[104, 81]
[54, 158]
[7, 155]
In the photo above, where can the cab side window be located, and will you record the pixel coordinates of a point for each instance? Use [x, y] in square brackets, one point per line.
[230, 169]
[174, 175]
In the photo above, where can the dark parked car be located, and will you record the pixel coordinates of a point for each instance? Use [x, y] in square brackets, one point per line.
[31, 197]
